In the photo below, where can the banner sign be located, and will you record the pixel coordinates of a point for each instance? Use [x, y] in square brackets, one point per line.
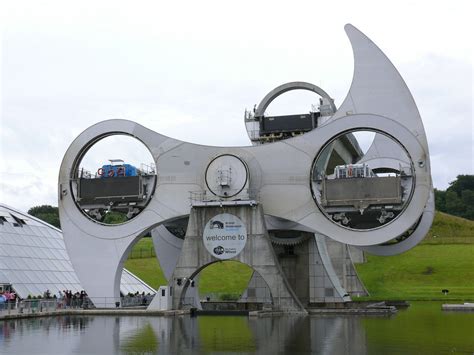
[225, 236]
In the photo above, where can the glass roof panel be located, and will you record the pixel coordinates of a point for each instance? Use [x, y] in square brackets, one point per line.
[6, 238]
[69, 277]
[23, 275]
[35, 257]
[42, 232]
[14, 277]
[42, 253]
[30, 276]
[56, 254]
[29, 252]
[3, 251]
[7, 228]
[4, 277]
[21, 264]
[27, 230]
[41, 264]
[36, 276]
[21, 289]
[43, 242]
[57, 264]
[13, 264]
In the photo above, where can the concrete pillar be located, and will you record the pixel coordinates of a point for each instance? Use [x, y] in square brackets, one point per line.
[343, 257]
[324, 283]
[258, 253]
[257, 290]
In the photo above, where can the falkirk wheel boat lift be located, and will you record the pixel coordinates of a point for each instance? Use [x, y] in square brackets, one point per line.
[297, 206]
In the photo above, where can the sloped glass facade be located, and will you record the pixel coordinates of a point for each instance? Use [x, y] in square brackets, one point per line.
[33, 258]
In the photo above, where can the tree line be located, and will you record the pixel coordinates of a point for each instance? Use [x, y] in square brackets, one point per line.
[458, 198]
[50, 214]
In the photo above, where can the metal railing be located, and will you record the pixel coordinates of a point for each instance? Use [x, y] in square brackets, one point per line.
[29, 306]
[119, 302]
[33, 306]
[201, 197]
[142, 253]
[136, 301]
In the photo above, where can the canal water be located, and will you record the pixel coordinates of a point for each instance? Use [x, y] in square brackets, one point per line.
[421, 329]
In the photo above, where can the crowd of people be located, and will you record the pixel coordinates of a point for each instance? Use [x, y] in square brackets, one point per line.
[67, 299]
[8, 297]
[64, 298]
[137, 298]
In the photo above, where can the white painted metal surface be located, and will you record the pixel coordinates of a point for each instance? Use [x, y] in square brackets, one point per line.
[279, 173]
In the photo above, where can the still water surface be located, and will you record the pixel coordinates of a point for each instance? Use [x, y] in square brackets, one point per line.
[421, 329]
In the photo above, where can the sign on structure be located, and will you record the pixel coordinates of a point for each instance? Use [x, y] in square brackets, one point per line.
[225, 236]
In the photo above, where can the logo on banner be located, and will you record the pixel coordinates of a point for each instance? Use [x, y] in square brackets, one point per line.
[219, 250]
[225, 236]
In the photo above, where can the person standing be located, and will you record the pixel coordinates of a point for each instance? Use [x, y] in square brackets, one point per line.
[60, 299]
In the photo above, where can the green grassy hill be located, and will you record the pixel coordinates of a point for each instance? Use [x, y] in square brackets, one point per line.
[421, 273]
[448, 229]
[228, 278]
[444, 260]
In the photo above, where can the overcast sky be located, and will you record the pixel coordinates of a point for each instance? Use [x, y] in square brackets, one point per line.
[188, 70]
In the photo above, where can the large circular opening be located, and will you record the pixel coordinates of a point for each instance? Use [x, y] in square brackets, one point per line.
[113, 179]
[226, 176]
[225, 281]
[295, 101]
[362, 179]
[295, 113]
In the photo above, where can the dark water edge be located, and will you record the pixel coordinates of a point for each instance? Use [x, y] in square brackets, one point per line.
[421, 329]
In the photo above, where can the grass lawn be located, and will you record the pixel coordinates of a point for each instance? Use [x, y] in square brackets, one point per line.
[421, 273]
[228, 277]
[448, 229]
[222, 277]
[147, 269]
[225, 277]
[444, 260]
[144, 243]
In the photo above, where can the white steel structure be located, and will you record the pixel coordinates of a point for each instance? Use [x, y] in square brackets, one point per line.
[284, 179]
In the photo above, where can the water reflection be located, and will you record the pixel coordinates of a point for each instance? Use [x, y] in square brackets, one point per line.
[142, 335]
[422, 329]
[142, 341]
